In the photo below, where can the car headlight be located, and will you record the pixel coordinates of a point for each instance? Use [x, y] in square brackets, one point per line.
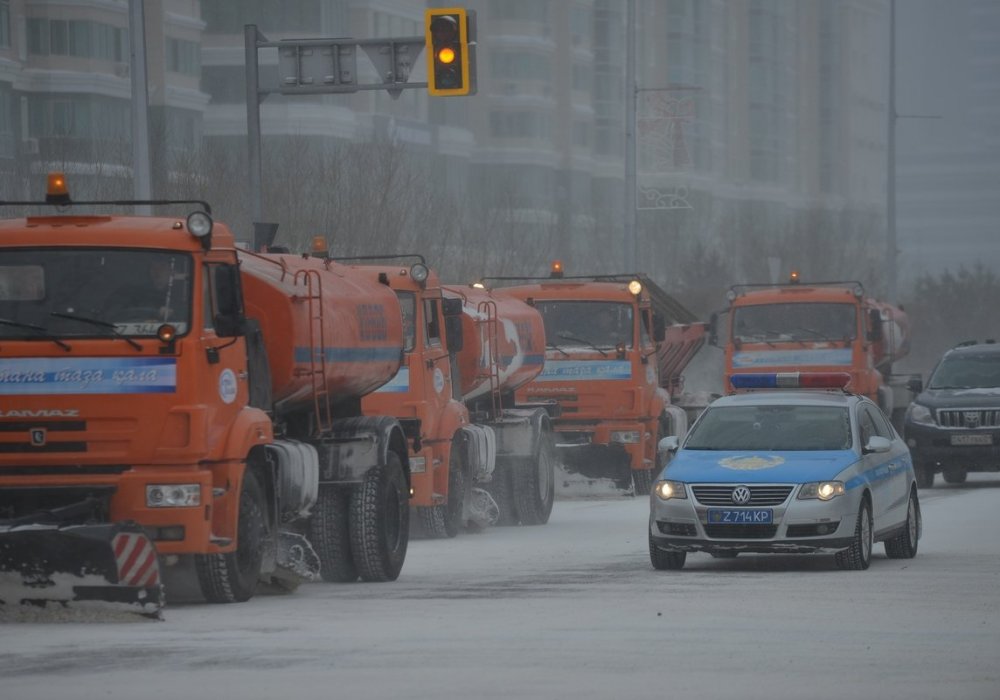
[172, 495]
[918, 413]
[625, 436]
[823, 490]
[665, 490]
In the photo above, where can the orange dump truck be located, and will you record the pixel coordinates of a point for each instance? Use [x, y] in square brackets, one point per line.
[477, 457]
[611, 368]
[160, 383]
[818, 327]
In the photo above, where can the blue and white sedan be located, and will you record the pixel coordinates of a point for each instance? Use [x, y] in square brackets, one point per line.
[786, 471]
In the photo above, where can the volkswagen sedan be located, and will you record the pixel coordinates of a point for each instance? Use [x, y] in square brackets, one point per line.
[814, 470]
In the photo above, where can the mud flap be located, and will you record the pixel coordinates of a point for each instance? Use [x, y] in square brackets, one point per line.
[113, 564]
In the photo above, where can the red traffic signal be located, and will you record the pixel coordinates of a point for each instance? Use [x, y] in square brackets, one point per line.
[451, 65]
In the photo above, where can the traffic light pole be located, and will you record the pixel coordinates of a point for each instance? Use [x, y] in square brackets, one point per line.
[318, 66]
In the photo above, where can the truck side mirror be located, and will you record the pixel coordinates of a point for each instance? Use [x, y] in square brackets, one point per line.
[451, 307]
[453, 331]
[228, 321]
[713, 330]
[659, 328]
[875, 330]
[915, 384]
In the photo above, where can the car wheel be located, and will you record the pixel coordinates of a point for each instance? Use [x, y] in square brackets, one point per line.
[925, 477]
[663, 560]
[955, 476]
[858, 556]
[904, 545]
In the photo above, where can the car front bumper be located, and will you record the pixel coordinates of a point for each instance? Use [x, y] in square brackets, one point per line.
[932, 446]
[798, 526]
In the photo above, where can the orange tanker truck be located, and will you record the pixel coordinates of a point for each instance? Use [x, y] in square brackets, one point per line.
[170, 398]
[477, 457]
[611, 364]
[819, 327]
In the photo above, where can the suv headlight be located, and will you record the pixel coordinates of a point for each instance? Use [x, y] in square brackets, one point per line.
[823, 490]
[920, 414]
[665, 490]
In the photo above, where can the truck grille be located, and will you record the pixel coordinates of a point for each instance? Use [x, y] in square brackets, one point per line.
[723, 495]
[969, 417]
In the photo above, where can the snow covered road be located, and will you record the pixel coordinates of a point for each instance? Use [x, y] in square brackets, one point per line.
[568, 610]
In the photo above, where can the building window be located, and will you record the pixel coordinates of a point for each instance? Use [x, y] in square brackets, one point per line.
[79, 38]
[520, 10]
[4, 24]
[511, 124]
[183, 57]
[517, 65]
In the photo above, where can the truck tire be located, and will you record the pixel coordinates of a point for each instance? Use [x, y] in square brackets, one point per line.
[330, 534]
[232, 577]
[904, 545]
[663, 560]
[534, 484]
[380, 521]
[858, 556]
[446, 520]
[925, 476]
[502, 491]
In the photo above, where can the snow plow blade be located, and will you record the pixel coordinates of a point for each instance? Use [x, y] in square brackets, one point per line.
[110, 565]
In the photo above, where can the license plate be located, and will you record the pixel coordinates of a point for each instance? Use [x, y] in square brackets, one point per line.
[972, 439]
[743, 516]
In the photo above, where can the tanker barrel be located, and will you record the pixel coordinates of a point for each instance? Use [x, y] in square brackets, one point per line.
[503, 342]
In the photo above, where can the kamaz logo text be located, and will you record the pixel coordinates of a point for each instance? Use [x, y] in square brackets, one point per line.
[42, 413]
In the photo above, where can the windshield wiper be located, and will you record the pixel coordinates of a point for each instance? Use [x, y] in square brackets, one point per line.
[100, 324]
[40, 330]
[556, 347]
[567, 336]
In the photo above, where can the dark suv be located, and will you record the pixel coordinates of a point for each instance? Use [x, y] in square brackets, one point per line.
[953, 425]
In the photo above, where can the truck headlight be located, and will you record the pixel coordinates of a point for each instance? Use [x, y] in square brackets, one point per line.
[918, 413]
[823, 490]
[172, 495]
[625, 436]
[665, 490]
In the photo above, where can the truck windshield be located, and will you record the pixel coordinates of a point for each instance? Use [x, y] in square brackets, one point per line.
[967, 372]
[766, 428]
[87, 292]
[795, 322]
[587, 324]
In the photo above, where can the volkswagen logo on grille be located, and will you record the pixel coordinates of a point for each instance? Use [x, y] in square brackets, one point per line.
[971, 419]
[741, 495]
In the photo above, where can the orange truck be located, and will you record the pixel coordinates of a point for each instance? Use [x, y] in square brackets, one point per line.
[818, 327]
[477, 457]
[212, 413]
[610, 364]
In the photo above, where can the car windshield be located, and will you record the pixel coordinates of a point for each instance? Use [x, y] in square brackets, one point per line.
[88, 292]
[585, 324]
[771, 428]
[967, 372]
[794, 322]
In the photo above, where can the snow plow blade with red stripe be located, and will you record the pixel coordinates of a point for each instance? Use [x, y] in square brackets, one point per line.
[109, 565]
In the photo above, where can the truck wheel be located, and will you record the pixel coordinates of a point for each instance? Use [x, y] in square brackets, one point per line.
[535, 485]
[446, 520]
[330, 534]
[955, 476]
[858, 556]
[232, 577]
[642, 482]
[380, 521]
[663, 560]
[502, 491]
[904, 545]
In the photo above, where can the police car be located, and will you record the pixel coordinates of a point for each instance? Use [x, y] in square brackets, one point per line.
[788, 470]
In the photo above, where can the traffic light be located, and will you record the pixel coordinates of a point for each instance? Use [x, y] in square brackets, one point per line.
[451, 51]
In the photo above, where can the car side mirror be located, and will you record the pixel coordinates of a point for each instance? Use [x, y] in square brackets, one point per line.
[670, 443]
[915, 384]
[877, 443]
